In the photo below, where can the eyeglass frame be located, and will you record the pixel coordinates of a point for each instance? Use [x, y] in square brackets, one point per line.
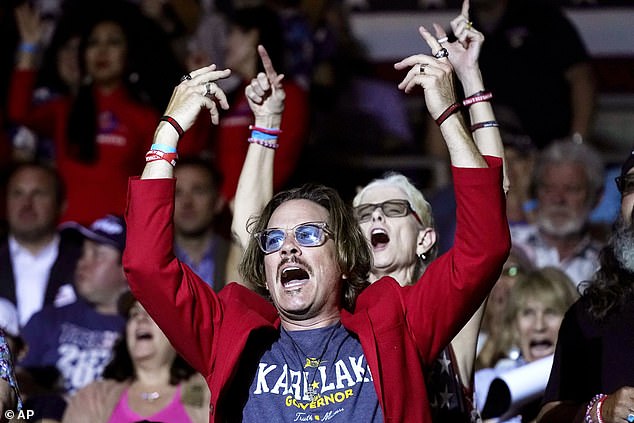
[620, 180]
[323, 226]
[410, 209]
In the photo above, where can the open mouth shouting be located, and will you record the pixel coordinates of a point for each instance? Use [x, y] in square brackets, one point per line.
[143, 335]
[541, 347]
[379, 238]
[293, 275]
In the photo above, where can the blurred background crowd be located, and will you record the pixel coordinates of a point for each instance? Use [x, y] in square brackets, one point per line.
[82, 85]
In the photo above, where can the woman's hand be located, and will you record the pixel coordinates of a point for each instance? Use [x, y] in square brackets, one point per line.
[265, 93]
[465, 51]
[198, 90]
[433, 74]
[29, 24]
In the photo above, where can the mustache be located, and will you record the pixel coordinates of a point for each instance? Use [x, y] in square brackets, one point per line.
[294, 260]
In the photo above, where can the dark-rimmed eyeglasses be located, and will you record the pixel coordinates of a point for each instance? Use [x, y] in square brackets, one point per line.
[625, 183]
[390, 208]
[309, 234]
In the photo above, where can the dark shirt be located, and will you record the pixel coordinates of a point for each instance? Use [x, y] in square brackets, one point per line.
[523, 62]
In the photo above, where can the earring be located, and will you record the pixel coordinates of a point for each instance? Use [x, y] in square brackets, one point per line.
[422, 257]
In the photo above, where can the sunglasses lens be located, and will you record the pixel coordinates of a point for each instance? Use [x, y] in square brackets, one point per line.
[309, 235]
[272, 240]
[363, 213]
[395, 208]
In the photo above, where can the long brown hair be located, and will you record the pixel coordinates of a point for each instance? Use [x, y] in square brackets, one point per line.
[353, 252]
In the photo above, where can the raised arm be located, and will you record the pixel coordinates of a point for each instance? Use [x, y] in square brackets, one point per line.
[463, 55]
[434, 73]
[196, 90]
[255, 186]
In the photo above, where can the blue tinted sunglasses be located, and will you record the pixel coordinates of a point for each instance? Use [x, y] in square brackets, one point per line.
[309, 234]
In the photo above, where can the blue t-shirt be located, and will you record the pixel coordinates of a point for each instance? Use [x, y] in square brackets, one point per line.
[313, 375]
[75, 339]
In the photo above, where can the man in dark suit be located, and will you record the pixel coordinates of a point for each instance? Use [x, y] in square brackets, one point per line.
[37, 261]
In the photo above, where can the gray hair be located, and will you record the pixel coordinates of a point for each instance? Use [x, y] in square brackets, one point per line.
[568, 151]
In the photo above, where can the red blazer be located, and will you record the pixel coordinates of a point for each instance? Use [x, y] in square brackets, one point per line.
[401, 329]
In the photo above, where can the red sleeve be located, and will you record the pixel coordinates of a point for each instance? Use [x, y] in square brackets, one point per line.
[456, 283]
[183, 305]
[21, 110]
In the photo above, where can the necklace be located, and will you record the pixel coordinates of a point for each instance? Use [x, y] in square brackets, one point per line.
[150, 396]
[312, 362]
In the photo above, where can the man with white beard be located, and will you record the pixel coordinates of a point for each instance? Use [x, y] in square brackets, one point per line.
[592, 378]
[568, 183]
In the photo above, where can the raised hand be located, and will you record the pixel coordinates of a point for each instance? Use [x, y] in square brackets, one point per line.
[433, 73]
[197, 90]
[265, 93]
[464, 52]
[29, 23]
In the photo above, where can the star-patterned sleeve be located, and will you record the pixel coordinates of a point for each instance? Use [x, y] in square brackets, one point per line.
[6, 368]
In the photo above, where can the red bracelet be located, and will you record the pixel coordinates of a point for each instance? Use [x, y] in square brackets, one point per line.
[477, 97]
[485, 124]
[264, 143]
[174, 124]
[154, 155]
[599, 406]
[268, 131]
[448, 112]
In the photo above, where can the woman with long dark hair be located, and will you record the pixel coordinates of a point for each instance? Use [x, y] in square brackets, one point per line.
[100, 131]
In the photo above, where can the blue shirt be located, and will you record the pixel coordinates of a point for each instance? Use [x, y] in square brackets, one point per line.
[75, 339]
[313, 375]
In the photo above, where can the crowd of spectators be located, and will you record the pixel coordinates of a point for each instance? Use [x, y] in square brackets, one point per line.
[82, 87]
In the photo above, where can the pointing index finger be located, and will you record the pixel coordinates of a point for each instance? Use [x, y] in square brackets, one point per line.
[465, 9]
[266, 62]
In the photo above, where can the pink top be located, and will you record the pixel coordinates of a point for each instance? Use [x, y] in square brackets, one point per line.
[174, 412]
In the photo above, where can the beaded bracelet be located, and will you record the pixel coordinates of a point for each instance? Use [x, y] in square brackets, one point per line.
[264, 143]
[588, 416]
[154, 155]
[485, 124]
[477, 98]
[448, 112]
[174, 124]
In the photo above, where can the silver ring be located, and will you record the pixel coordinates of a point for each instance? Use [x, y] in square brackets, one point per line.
[443, 40]
[186, 77]
[208, 88]
[630, 418]
[421, 68]
[441, 53]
